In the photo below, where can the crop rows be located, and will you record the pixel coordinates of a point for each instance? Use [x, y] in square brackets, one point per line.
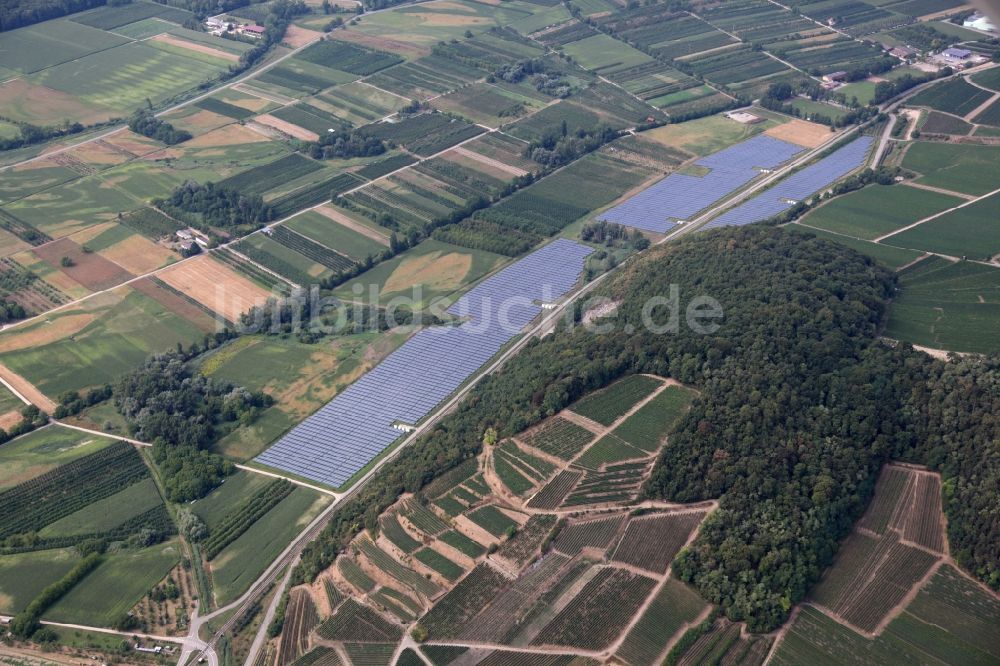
[463, 602]
[155, 521]
[354, 574]
[23, 286]
[573, 31]
[223, 108]
[312, 195]
[333, 595]
[243, 516]
[423, 518]
[300, 618]
[616, 483]
[30, 506]
[533, 466]
[647, 427]
[711, 646]
[402, 601]
[955, 96]
[754, 20]
[735, 66]
[308, 248]
[287, 77]
[462, 543]
[22, 229]
[320, 656]
[842, 54]
[349, 57]
[609, 449]
[241, 265]
[370, 654]
[439, 563]
[556, 490]
[428, 76]
[597, 615]
[356, 622]
[608, 405]
[923, 523]
[491, 50]
[310, 117]
[597, 533]
[394, 532]
[502, 617]
[391, 605]
[276, 264]
[151, 223]
[651, 543]
[673, 606]
[444, 138]
[892, 581]
[520, 548]
[665, 34]
[559, 437]
[394, 568]
[386, 166]
[893, 485]
[492, 520]
[271, 175]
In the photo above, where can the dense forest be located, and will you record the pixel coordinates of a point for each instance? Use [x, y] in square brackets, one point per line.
[180, 412]
[18, 13]
[144, 122]
[800, 406]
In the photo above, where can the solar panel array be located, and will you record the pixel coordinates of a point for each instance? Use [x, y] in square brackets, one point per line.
[798, 186]
[349, 431]
[680, 196]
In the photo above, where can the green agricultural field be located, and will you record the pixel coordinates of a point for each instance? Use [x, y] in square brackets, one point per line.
[607, 405]
[889, 256]
[242, 561]
[145, 28]
[82, 203]
[235, 489]
[810, 109]
[9, 402]
[960, 168]
[989, 116]
[48, 44]
[123, 78]
[936, 122]
[439, 269]
[863, 91]
[948, 305]
[25, 575]
[302, 378]
[609, 449]
[492, 519]
[971, 231]
[325, 231]
[108, 513]
[988, 79]
[708, 135]
[116, 585]
[601, 51]
[94, 342]
[43, 450]
[651, 422]
[952, 96]
[33, 177]
[878, 210]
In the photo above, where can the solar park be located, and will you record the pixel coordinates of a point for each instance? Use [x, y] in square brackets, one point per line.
[343, 436]
[680, 196]
[798, 186]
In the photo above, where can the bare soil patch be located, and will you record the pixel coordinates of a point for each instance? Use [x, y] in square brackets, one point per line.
[230, 135]
[297, 36]
[131, 142]
[176, 304]
[801, 132]
[59, 328]
[88, 268]
[27, 389]
[493, 165]
[441, 272]
[215, 286]
[44, 106]
[287, 127]
[139, 255]
[380, 43]
[344, 220]
[193, 46]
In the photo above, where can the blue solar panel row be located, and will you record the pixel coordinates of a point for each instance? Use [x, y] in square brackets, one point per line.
[798, 186]
[345, 434]
[680, 196]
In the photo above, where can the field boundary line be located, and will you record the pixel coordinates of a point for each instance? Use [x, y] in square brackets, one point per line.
[936, 215]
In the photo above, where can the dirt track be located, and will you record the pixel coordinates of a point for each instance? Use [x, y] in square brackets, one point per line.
[26, 389]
